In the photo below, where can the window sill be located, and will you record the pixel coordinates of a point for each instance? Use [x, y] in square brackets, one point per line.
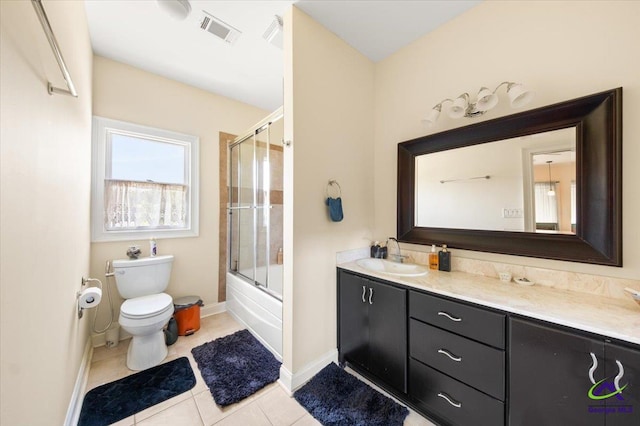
[143, 235]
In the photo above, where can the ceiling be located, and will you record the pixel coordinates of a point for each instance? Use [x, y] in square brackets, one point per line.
[141, 34]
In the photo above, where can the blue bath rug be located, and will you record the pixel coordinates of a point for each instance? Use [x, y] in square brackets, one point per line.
[335, 397]
[235, 366]
[117, 400]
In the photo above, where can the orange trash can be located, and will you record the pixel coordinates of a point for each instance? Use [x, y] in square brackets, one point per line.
[187, 314]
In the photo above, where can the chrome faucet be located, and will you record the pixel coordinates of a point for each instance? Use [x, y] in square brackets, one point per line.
[398, 257]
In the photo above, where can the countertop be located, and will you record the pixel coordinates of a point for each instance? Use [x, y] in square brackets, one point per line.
[596, 314]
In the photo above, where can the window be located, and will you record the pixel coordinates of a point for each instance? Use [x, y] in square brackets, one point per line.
[144, 182]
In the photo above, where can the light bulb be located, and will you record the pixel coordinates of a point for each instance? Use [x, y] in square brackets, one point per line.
[459, 107]
[432, 117]
[519, 95]
[486, 100]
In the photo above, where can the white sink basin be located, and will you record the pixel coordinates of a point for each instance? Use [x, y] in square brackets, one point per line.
[392, 268]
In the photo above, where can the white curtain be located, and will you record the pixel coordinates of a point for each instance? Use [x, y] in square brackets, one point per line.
[138, 205]
[574, 208]
[546, 205]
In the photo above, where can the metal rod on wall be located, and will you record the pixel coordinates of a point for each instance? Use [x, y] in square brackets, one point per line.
[46, 26]
[471, 178]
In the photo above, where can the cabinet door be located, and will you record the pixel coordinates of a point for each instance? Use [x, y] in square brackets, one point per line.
[353, 327]
[388, 333]
[549, 376]
[623, 363]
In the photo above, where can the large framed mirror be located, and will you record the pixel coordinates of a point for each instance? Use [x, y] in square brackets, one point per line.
[543, 183]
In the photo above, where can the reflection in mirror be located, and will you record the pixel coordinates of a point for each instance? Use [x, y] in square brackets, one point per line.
[554, 175]
[500, 186]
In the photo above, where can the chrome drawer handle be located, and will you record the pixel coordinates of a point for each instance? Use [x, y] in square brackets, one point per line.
[364, 291]
[450, 400]
[445, 314]
[450, 355]
[370, 295]
[594, 365]
[616, 381]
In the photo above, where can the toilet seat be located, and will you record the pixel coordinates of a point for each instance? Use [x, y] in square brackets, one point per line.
[146, 306]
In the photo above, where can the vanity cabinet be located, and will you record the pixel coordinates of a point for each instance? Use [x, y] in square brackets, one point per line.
[551, 371]
[457, 361]
[372, 327]
[463, 364]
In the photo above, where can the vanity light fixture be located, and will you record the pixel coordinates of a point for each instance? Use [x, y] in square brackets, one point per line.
[463, 106]
[551, 192]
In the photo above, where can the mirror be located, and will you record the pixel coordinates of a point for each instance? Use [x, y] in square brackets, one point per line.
[543, 183]
[505, 183]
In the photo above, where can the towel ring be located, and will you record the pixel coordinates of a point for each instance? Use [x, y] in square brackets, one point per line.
[330, 185]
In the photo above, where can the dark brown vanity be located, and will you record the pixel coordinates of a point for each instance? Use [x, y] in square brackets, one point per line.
[464, 349]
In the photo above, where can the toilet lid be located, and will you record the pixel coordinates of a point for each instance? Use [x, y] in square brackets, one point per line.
[146, 306]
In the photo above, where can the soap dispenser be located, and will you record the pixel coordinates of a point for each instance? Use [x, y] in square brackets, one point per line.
[444, 259]
[433, 258]
[375, 249]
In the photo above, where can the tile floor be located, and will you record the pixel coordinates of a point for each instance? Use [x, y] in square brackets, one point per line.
[270, 406]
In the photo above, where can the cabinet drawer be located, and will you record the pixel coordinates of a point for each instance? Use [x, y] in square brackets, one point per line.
[465, 405]
[473, 363]
[475, 323]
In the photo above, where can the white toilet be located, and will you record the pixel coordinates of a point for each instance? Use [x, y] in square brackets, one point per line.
[146, 309]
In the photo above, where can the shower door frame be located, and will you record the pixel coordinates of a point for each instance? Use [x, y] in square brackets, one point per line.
[266, 205]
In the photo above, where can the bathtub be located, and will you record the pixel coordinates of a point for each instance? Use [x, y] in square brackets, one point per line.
[257, 310]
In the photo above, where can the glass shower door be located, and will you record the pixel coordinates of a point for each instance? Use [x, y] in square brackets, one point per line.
[251, 242]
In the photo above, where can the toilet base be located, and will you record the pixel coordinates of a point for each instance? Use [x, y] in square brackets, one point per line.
[146, 351]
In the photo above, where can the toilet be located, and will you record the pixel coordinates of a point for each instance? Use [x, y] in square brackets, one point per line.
[146, 309]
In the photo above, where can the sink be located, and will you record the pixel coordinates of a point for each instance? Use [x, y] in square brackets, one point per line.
[393, 268]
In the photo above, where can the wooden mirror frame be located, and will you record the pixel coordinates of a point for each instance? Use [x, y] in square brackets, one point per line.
[598, 238]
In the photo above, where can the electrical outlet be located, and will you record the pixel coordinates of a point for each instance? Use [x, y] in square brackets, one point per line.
[512, 213]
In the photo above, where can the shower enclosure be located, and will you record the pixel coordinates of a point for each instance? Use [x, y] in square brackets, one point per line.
[255, 256]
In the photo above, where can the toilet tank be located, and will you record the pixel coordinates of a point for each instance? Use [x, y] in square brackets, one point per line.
[142, 277]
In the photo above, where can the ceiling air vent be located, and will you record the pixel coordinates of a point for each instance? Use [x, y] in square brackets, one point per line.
[219, 28]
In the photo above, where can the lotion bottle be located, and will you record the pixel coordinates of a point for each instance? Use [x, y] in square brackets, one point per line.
[433, 258]
[153, 247]
[444, 259]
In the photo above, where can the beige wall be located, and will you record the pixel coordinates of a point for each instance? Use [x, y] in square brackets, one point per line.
[125, 93]
[45, 164]
[328, 113]
[561, 49]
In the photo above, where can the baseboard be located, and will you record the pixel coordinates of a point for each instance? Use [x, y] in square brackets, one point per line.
[213, 309]
[75, 405]
[293, 381]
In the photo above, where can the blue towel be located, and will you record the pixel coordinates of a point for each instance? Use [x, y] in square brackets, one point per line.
[335, 208]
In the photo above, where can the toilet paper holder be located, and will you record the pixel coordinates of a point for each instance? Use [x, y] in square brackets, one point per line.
[81, 293]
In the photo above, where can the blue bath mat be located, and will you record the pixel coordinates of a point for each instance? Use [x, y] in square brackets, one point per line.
[235, 366]
[117, 400]
[335, 397]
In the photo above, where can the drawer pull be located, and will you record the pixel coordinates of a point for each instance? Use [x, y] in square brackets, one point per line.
[594, 365]
[370, 296]
[445, 314]
[450, 400]
[616, 381]
[450, 355]
[364, 291]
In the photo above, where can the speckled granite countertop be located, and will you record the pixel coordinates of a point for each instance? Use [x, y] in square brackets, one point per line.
[609, 317]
